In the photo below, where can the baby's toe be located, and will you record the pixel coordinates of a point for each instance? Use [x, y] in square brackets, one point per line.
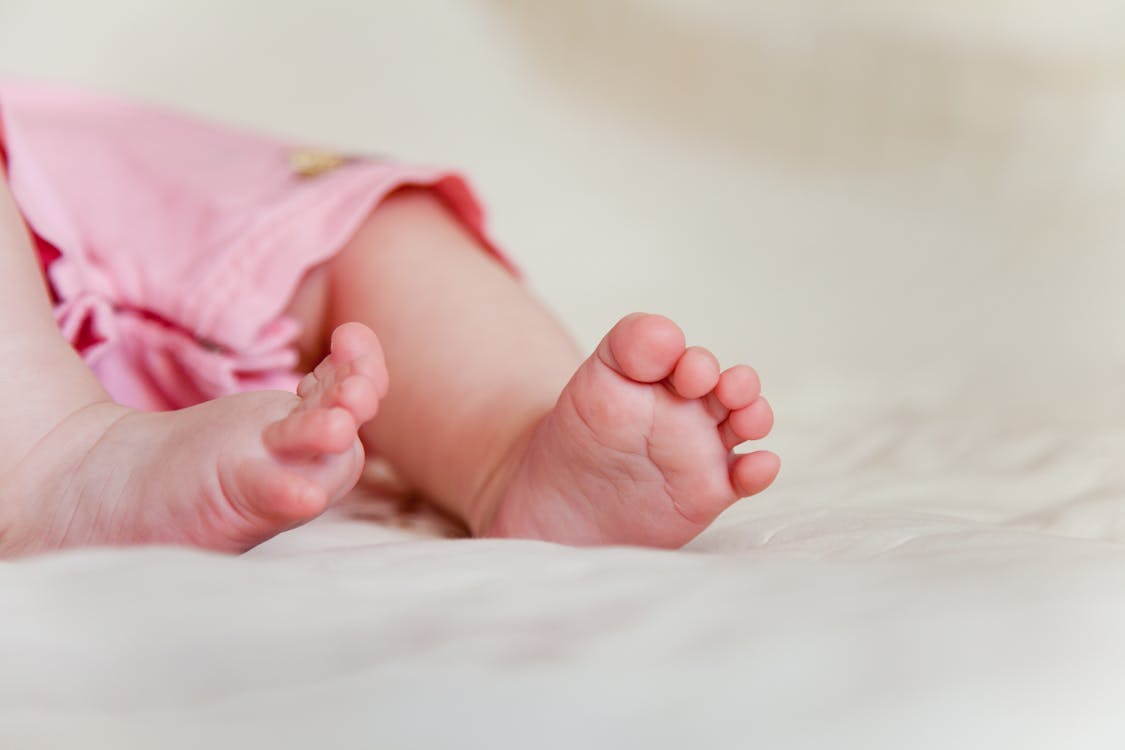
[373, 367]
[751, 422]
[738, 387]
[311, 432]
[753, 472]
[696, 373]
[308, 385]
[356, 394]
[643, 347]
[351, 341]
[356, 386]
[277, 498]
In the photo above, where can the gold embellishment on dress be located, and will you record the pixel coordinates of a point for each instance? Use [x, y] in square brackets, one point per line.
[308, 162]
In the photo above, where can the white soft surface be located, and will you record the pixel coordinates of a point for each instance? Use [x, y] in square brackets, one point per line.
[906, 214]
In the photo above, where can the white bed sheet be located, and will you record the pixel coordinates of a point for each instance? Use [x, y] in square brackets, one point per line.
[877, 600]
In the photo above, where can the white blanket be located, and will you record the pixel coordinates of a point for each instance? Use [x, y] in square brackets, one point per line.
[848, 609]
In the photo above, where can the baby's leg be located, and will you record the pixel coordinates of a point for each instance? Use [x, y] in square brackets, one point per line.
[636, 449]
[76, 468]
[43, 379]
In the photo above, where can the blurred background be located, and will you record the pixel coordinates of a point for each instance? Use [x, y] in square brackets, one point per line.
[866, 200]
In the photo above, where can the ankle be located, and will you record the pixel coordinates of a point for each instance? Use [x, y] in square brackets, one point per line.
[50, 465]
[36, 422]
[497, 478]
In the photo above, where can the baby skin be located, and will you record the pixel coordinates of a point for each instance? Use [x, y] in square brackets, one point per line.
[225, 474]
[488, 410]
[638, 449]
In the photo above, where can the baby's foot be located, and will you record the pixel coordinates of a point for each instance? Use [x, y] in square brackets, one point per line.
[638, 449]
[225, 475]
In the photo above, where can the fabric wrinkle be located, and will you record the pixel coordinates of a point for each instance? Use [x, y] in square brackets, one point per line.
[180, 243]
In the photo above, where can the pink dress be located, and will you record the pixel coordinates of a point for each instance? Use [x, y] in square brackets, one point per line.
[174, 245]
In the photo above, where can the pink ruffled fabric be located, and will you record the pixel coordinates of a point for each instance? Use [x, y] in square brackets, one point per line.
[181, 243]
